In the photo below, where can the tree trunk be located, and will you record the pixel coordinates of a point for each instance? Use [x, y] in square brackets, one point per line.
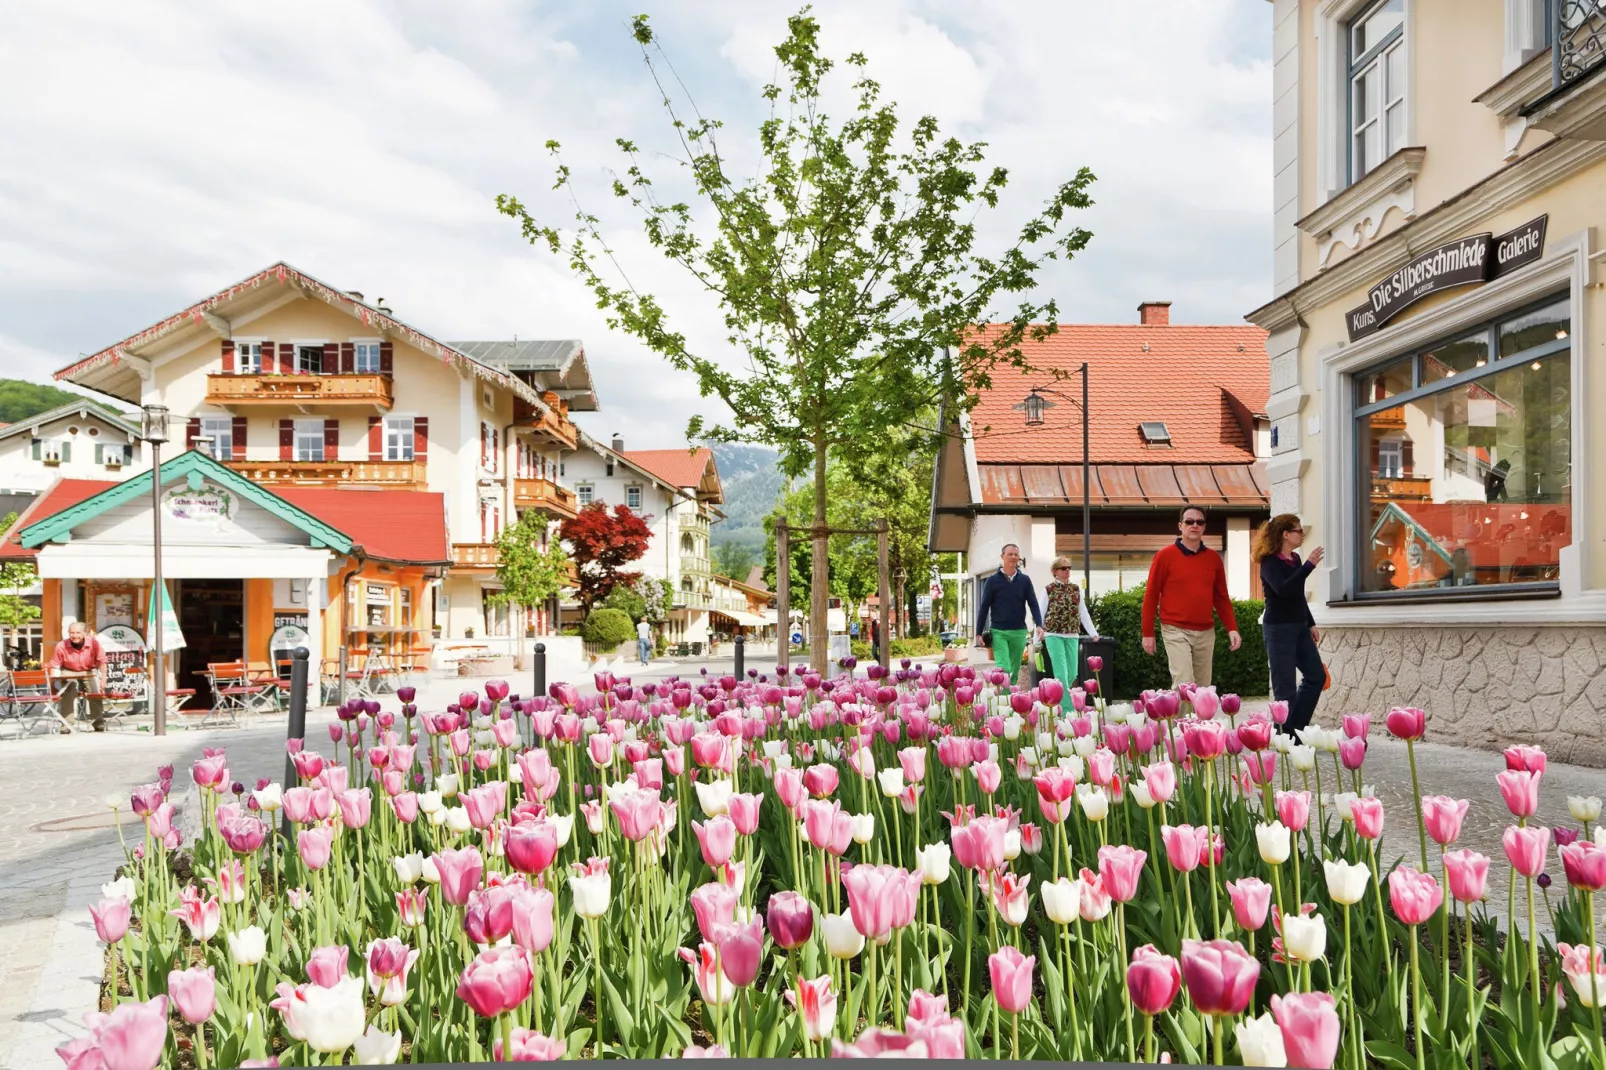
[819, 582]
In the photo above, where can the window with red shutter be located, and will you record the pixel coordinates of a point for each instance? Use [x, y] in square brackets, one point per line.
[348, 357]
[331, 440]
[287, 440]
[228, 356]
[268, 365]
[385, 358]
[376, 439]
[237, 440]
[420, 438]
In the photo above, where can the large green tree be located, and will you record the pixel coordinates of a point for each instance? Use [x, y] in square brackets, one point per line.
[845, 267]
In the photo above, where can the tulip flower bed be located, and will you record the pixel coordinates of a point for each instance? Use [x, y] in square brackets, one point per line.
[926, 864]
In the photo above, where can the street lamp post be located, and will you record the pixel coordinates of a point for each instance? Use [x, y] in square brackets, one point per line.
[1033, 405]
[154, 432]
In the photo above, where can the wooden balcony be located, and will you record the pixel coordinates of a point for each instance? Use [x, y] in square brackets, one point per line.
[547, 495]
[553, 428]
[479, 556]
[299, 391]
[1401, 488]
[392, 475]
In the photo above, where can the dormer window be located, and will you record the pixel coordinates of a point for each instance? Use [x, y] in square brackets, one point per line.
[1155, 433]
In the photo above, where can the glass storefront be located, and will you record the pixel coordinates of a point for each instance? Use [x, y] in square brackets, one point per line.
[1464, 459]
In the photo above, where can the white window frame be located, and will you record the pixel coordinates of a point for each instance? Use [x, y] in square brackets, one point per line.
[1333, 18]
[634, 491]
[1567, 265]
[248, 356]
[1377, 59]
[298, 367]
[303, 429]
[400, 437]
[1527, 32]
[368, 346]
[585, 494]
[225, 422]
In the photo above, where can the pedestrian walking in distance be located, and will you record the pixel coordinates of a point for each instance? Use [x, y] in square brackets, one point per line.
[1187, 580]
[644, 641]
[1290, 630]
[1065, 606]
[1005, 598]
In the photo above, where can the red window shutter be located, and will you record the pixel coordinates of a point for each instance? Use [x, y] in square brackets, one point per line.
[192, 431]
[287, 358]
[1407, 459]
[267, 358]
[376, 439]
[287, 440]
[348, 358]
[331, 440]
[1375, 452]
[238, 448]
[228, 356]
[385, 358]
[421, 438]
[331, 358]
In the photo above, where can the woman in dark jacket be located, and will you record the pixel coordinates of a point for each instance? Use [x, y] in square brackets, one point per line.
[1290, 631]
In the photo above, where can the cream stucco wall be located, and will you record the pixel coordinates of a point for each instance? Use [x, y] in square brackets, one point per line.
[20, 472]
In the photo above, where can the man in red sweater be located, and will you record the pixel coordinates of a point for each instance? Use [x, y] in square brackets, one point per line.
[1186, 581]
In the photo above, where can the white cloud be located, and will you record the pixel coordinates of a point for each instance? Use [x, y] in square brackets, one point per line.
[156, 152]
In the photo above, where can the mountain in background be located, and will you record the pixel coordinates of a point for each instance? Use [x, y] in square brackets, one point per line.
[751, 481]
[20, 399]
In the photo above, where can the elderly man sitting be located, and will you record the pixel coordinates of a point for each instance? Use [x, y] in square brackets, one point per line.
[80, 654]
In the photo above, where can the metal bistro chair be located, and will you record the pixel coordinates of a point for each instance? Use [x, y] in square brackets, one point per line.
[29, 701]
[233, 693]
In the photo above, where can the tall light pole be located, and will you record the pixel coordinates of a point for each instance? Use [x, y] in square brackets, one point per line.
[154, 432]
[1033, 406]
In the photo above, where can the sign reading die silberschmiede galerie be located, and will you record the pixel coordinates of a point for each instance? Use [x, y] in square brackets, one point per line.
[1472, 260]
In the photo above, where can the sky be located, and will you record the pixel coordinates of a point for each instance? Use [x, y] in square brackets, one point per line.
[155, 152]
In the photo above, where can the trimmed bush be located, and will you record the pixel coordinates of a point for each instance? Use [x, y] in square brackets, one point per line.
[608, 628]
[1118, 616]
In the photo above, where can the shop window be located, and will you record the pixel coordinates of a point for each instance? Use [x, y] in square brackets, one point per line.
[1465, 480]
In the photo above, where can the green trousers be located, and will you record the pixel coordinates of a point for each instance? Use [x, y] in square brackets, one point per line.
[1009, 645]
[1062, 655]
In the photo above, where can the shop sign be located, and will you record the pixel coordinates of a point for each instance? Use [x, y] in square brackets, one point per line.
[1467, 261]
[125, 649]
[206, 504]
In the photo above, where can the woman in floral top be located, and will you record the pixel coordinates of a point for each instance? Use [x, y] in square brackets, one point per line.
[1065, 605]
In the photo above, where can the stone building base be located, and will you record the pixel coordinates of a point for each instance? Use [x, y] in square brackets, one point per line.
[1487, 687]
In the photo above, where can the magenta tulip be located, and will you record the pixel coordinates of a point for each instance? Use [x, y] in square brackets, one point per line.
[1407, 722]
[488, 914]
[1530, 759]
[1153, 980]
[1221, 976]
[741, 952]
[497, 981]
[791, 920]
[531, 846]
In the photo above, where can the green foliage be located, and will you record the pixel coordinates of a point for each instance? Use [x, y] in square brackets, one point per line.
[607, 628]
[735, 559]
[20, 400]
[15, 610]
[529, 574]
[628, 601]
[1119, 615]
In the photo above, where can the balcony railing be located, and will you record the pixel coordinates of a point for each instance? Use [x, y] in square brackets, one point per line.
[1579, 36]
[692, 600]
[694, 522]
[396, 475]
[298, 390]
[547, 495]
[474, 555]
[554, 428]
[691, 564]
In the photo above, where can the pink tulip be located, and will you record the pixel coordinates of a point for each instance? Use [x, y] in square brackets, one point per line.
[1255, 734]
[1278, 711]
[497, 981]
[1530, 759]
[1251, 897]
[1011, 974]
[716, 839]
[1310, 1028]
[460, 870]
[1415, 895]
[528, 1046]
[1261, 767]
[816, 1006]
[145, 799]
[741, 952]
[1185, 845]
[211, 773]
[791, 920]
[988, 776]
[1443, 816]
[326, 966]
[1526, 847]
[532, 919]
[1368, 815]
[1153, 980]
[356, 807]
[1357, 725]
[1585, 865]
[714, 906]
[297, 803]
[131, 1037]
[1352, 752]
[1031, 839]
[201, 916]
[1467, 873]
[744, 812]
[1010, 897]
[111, 918]
[876, 897]
[488, 914]
[1585, 973]
[820, 780]
[1096, 901]
[531, 846]
[1407, 722]
[713, 1051]
[1221, 976]
[1121, 867]
[599, 746]
[1161, 780]
[314, 845]
[638, 813]
[913, 760]
[411, 906]
[1293, 809]
[405, 805]
[485, 803]
[1205, 739]
[193, 992]
[1520, 789]
[1101, 767]
[980, 844]
[789, 787]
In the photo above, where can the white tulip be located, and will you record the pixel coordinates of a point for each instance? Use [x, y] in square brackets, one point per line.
[1074, 766]
[1260, 1041]
[269, 798]
[592, 893]
[715, 796]
[515, 774]
[438, 818]
[446, 784]
[332, 1018]
[1344, 803]
[457, 820]
[774, 748]
[409, 867]
[1011, 844]
[934, 862]
[1584, 809]
[1346, 881]
[378, 1048]
[1304, 937]
[783, 761]
[1095, 804]
[863, 828]
[1029, 756]
[1140, 792]
[1045, 742]
[1062, 900]
[891, 782]
[1600, 836]
[842, 939]
[1302, 759]
[430, 802]
[1274, 842]
[1012, 727]
[121, 888]
[428, 872]
[1084, 746]
[564, 823]
[247, 946]
[1281, 743]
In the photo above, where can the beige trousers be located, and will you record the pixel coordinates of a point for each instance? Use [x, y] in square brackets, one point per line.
[1190, 654]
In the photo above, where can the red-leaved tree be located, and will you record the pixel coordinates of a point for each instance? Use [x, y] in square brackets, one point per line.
[601, 544]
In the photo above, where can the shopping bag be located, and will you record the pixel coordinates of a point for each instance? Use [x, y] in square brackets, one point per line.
[1327, 684]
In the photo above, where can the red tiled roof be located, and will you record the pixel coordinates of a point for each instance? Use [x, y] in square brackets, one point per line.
[1126, 485]
[680, 468]
[1205, 383]
[63, 494]
[404, 526]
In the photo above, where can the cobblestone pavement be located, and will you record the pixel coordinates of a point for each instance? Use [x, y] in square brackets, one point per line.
[57, 843]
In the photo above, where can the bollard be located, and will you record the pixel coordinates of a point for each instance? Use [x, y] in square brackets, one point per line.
[298, 720]
[741, 657]
[540, 668]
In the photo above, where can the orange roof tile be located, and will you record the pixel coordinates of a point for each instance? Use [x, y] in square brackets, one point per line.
[404, 526]
[681, 468]
[1205, 383]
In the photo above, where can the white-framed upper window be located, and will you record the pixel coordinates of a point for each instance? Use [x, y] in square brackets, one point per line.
[1376, 83]
[584, 493]
[633, 497]
[220, 429]
[1390, 459]
[398, 438]
[308, 358]
[366, 358]
[309, 440]
[247, 358]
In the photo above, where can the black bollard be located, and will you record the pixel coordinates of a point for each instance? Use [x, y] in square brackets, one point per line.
[540, 668]
[741, 652]
[298, 721]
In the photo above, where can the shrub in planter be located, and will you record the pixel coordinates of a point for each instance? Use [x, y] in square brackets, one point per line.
[1118, 615]
[608, 628]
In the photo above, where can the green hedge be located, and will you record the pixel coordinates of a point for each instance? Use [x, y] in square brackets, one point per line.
[924, 646]
[608, 628]
[1242, 672]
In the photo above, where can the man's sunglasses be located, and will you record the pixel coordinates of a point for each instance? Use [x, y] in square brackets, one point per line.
[1193, 523]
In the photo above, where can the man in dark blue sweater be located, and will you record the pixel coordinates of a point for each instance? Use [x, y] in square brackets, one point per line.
[1006, 595]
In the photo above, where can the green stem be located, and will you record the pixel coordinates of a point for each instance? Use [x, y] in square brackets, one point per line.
[1416, 798]
[1126, 993]
[1471, 962]
[1594, 982]
[1416, 999]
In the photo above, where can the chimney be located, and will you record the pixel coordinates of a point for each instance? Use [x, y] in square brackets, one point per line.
[1155, 313]
[618, 442]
